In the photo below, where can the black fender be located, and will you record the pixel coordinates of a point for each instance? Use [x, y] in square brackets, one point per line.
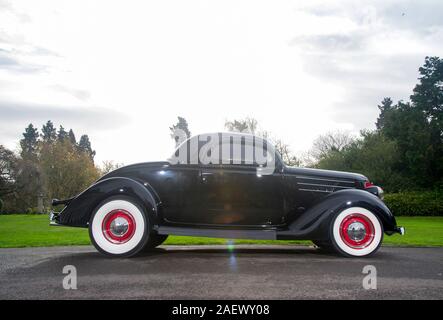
[78, 212]
[314, 223]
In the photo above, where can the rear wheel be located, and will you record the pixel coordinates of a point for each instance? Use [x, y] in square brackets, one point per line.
[324, 245]
[155, 240]
[356, 232]
[119, 227]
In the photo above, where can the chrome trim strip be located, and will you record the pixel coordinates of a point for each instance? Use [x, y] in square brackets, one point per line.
[323, 185]
[324, 179]
[315, 190]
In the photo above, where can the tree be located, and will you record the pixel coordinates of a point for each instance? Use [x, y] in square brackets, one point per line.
[428, 93]
[373, 155]
[386, 106]
[250, 125]
[53, 165]
[72, 137]
[286, 154]
[49, 134]
[19, 181]
[84, 145]
[247, 125]
[406, 150]
[29, 143]
[428, 98]
[333, 141]
[108, 166]
[8, 172]
[181, 125]
[62, 134]
[66, 170]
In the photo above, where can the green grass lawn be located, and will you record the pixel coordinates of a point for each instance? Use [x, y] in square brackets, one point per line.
[34, 231]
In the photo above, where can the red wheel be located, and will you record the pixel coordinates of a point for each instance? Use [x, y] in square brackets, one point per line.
[357, 231]
[118, 226]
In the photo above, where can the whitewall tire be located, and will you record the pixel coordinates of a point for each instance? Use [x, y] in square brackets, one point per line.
[356, 232]
[119, 227]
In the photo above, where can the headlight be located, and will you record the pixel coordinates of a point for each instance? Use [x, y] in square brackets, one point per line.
[380, 193]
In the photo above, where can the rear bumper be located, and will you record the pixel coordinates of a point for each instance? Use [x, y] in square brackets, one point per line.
[55, 215]
[53, 218]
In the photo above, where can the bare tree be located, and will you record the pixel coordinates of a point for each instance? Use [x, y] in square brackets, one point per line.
[108, 166]
[246, 125]
[250, 125]
[330, 142]
[287, 156]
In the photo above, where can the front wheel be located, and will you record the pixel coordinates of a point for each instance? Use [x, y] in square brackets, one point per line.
[119, 227]
[356, 232]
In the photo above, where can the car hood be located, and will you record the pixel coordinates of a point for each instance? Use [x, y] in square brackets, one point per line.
[325, 173]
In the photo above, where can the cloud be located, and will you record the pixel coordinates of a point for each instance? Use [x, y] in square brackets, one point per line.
[6, 6]
[14, 116]
[376, 55]
[328, 43]
[7, 62]
[77, 93]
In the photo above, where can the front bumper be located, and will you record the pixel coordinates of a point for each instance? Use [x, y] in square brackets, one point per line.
[376, 190]
[400, 230]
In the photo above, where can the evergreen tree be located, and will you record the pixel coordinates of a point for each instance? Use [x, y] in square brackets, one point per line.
[182, 124]
[84, 145]
[428, 99]
[49, 133]
[29, 142]
[428, 93]
[384, 108]
[62, 134]
[72, 137]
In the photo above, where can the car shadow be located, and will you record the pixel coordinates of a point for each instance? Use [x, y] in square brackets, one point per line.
[195, 250]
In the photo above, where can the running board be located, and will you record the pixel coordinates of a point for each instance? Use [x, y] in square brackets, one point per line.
[219, 233]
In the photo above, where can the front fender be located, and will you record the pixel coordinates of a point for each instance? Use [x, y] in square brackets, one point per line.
[314, 223]
[78, 212]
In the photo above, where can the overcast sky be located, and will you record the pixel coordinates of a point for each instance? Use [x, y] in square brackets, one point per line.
[122, 71]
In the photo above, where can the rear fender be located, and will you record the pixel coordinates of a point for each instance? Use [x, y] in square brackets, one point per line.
[78, 212]
[314, 223]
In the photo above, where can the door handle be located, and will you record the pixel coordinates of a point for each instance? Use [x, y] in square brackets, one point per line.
[204, 176]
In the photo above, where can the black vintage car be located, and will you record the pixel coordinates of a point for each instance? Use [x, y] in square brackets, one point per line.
[229, 185]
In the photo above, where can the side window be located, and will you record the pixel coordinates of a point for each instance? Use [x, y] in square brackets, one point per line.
[217, 150]
[243, 152]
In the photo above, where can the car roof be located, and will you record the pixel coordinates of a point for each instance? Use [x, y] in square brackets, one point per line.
[227, 134]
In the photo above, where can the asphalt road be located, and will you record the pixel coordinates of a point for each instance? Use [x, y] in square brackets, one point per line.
[215, 272]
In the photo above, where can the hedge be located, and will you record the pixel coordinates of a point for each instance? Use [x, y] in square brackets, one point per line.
[417, 203]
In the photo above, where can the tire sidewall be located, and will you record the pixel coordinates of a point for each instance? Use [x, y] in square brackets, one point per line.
[338, 244]
[146, 230]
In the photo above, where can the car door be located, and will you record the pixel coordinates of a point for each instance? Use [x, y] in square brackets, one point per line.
[236, 193]
[227, 191]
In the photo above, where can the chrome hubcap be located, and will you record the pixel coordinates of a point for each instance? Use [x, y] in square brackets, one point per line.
[356, 231]
[119, 226]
